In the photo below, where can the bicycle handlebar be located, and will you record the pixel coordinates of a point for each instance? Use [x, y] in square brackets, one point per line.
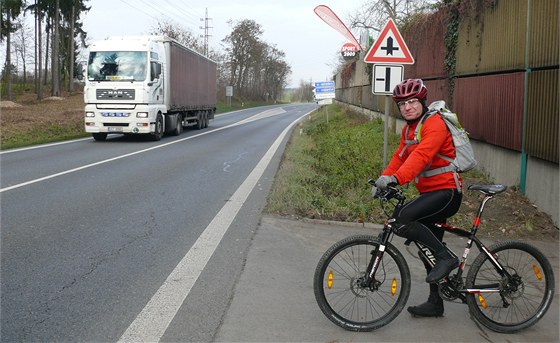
[392, 191]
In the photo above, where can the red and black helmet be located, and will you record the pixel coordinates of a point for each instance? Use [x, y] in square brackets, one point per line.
[410, 89]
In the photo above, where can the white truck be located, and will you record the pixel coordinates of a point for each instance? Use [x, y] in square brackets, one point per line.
[147, 85]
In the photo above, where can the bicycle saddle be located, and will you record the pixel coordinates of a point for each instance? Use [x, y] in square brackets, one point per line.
[488, 189]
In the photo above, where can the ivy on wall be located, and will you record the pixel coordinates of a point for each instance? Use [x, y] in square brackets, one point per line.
[451, 40]
[347, 73]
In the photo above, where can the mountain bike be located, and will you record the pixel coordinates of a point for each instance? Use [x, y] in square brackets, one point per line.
[362, 282]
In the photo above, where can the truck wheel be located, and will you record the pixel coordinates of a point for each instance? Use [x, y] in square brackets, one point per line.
[100, 137]
[205, 119]
[179, 127]
[199, 121]
[156, 136]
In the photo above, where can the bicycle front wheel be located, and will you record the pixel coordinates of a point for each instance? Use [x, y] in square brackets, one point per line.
[341, 294]
[522, 299]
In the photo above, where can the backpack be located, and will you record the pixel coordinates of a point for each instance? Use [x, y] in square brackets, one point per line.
[464, 155]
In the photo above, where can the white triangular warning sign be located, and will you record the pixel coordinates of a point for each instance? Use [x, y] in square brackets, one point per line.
[389, 47]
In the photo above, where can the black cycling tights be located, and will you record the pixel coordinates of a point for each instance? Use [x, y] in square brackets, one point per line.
[414, 220]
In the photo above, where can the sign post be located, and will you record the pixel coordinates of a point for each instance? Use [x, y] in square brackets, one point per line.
[324, 90]
[229, 94]
[390, 50]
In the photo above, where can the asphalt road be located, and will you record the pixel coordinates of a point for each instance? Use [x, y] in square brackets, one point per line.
[131, 239]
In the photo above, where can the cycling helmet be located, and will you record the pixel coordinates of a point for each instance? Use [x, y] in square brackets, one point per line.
[410, 89]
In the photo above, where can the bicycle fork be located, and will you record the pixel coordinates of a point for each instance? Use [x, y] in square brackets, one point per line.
[376, 258]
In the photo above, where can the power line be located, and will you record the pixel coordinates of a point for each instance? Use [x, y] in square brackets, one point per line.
[160, 11]
[136, 8]
[182, 10]
[177, 9]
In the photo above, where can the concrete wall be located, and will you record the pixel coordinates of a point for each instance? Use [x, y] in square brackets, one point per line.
[542, 182]
[543, 186]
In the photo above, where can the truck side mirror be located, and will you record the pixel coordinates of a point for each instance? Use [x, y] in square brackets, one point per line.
[155, 70]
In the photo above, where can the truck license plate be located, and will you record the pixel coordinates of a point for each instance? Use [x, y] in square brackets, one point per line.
[115, 129]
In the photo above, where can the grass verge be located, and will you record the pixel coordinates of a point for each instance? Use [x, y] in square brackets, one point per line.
[327, 162]
[326, 166]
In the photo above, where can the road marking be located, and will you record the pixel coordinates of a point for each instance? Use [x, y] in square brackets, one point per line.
[43, 146]
[27, 183]
[152, 322]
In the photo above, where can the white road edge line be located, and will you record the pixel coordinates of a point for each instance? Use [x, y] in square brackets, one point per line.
[152, 322]
[43, 146]
[245, 121]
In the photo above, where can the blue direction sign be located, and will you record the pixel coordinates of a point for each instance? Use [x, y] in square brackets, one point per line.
[324, 90]
[324, 84]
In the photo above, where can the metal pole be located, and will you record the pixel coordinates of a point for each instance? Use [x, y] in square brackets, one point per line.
[523, 171]
[386, 131]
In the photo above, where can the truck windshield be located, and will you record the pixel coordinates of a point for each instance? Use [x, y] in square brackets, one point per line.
[117, 66]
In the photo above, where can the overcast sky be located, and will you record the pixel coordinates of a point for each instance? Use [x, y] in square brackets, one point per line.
[311, 46]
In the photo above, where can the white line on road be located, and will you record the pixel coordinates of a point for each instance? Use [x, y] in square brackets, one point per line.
[245, 121]
[43, 146]
[152, 322]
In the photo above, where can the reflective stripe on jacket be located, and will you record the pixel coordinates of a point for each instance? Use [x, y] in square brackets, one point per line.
[409, 161]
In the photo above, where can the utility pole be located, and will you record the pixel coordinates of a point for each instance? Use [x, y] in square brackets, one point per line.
[206, 28]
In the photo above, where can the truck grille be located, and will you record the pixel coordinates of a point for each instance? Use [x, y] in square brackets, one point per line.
[115, 124]
[115, 94]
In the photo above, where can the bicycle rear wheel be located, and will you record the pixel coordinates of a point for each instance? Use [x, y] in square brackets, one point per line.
[523, 299]
[342, 297]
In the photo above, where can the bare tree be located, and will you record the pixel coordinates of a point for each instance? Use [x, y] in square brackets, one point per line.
[179, 33]
[242, 50]
[374, 14]
[256, 69]
[21, 43]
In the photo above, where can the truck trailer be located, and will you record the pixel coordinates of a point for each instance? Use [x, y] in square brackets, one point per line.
[147, 85]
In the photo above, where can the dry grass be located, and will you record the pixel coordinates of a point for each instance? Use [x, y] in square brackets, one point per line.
[30, 121]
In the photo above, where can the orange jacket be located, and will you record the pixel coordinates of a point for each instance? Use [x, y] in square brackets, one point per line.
[435, 138]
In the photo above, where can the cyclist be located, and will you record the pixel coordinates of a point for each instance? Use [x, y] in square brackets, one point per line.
[440, 194]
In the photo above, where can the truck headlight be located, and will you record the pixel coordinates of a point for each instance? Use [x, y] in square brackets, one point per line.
[90, 114]
[142, 115]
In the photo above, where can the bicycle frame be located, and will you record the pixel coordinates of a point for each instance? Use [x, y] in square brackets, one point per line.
[428, 255]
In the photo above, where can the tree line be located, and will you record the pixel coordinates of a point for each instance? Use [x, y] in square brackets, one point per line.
[257, 70]
[57, 26]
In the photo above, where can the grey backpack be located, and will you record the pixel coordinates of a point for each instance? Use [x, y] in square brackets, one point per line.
[464, 155]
